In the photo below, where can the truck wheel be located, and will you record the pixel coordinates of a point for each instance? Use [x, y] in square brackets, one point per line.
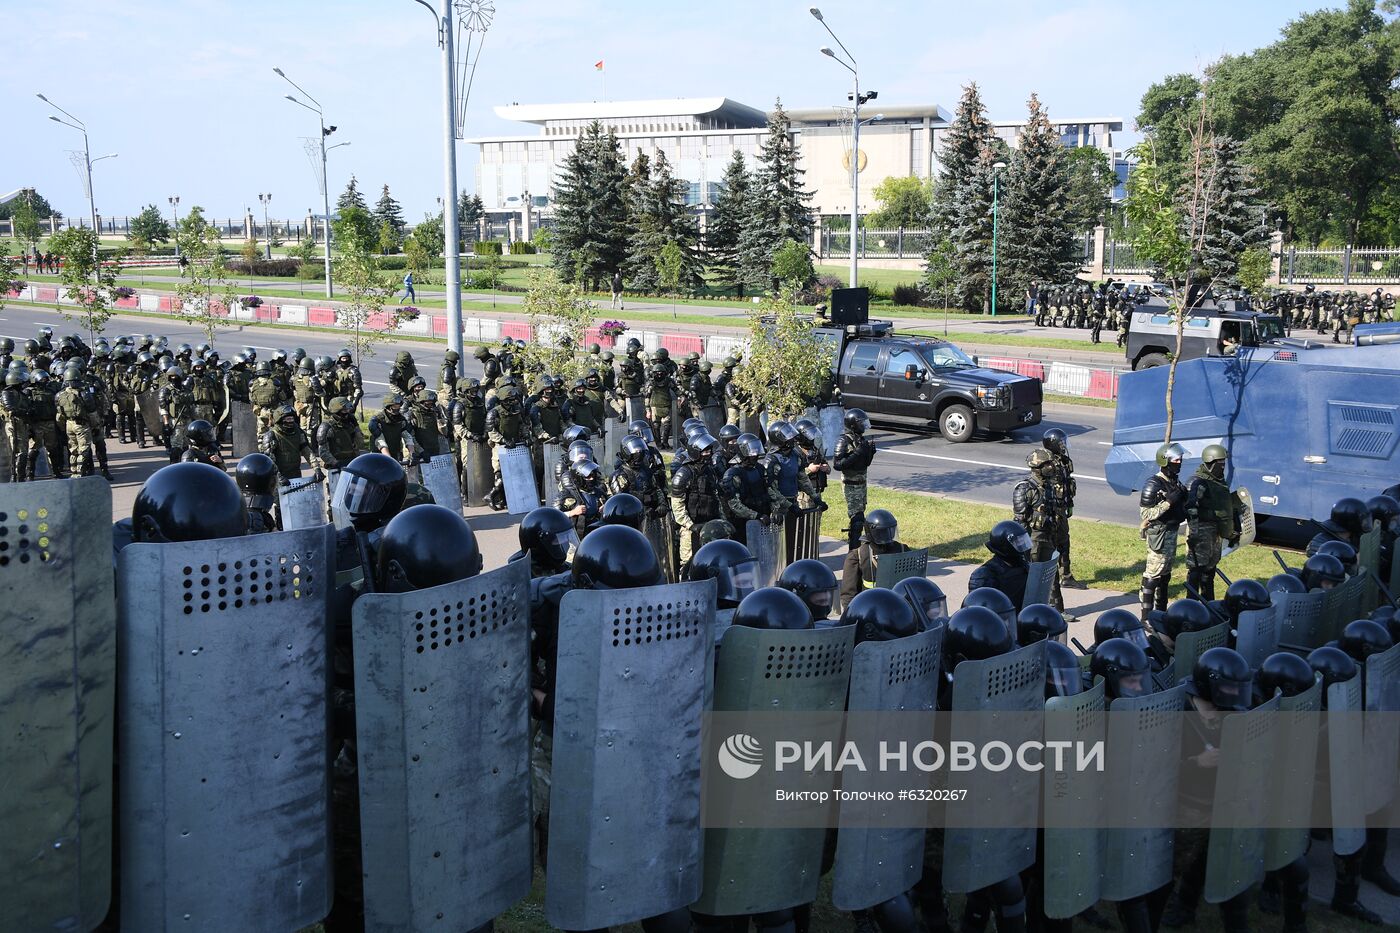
[1149, 360]
[956, 424]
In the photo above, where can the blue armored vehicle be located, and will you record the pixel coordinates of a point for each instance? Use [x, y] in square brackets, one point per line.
[1306, 422]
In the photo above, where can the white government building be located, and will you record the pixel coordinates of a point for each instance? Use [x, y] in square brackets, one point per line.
[700, 134]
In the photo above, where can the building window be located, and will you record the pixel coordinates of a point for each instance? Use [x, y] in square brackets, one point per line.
[539, 152]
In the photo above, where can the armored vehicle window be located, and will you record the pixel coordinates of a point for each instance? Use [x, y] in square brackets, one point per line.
[901, 357]
[865, 357]
[946, 356]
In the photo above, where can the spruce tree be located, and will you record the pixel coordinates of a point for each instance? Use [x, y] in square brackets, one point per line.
[1035, 241]
[726, 223]
[351, 197]
[963, 143]
[388, 211]
[659, 216]
[1233, 220]
[590, 238]
[779, 205]
[971, 232]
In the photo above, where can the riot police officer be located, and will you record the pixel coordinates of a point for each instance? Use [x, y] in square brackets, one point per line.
[447, 373]
[1213, 519]
[177, 409]
[1162, 508]
[635, 474]
[347, 381]
[43, 423]
[490, 367]
[257, 480]
[187, 502]
[927, 598]
[338, 437]
[14, 420]
[201, 445]
[403, 372]
[1057, 443]
[1007, 569]
[390, 432]
[1350, 519]
[695, 492]
[730, 565]
[854, 453]
[815, 585]
[582, 494]
[749, 493]
[75, 404]
[786, 465]
[508, 425]
[811, 449]
[1036, 504]
[660, 391]
[879, 535]
[287, 445]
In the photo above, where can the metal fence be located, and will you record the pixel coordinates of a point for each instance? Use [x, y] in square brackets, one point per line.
[900, 243]
[1119, 257]
[1349, 265]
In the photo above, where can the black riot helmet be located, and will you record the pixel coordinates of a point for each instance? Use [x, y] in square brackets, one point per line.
[1323, 572]
[371, 490]
[639, 428]
[1385, 511]
[880, 615]
[1223, 677]
[1352, 516]
[782, 436]
[702, 446]
[1283, 670]
[1334, 664]
[809, 434]
[188, 502]
[1246, 595]
[615, 557]
[856, 421]
[579, 451]
[1285, 583]
[926, 598]
[1055, 441]
[1363, 638]
[815, 584]
[1119, 623]
[1343, 552]
[1063, 675]
[576, 432]
[1184, 615]
[974, 634]
[1010, 540]
[693, 430]
[1039, 622]
[623, 509]
[200, 433]
[997, 601]
[730, 565]
[1124, 668]
[257, 478]
[634, 451]
[587, 476]
[548, 534]
[881, 527]
[773, 608]
[749, 449]
[729, 433]
[425, 546]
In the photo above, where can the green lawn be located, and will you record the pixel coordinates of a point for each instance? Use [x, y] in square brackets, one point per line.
[1106, 555]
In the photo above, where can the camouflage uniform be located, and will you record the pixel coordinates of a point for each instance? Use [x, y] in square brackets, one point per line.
[1212, 514]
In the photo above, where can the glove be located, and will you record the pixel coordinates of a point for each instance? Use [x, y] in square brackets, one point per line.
[319, 475]
[822, 506]
[765, 520]
[1234, 542]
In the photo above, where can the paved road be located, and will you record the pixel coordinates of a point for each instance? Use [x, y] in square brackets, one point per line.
[981, 471]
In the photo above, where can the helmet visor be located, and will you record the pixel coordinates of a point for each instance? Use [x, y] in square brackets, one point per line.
[1133, 684]
[735, 582]
[881, 534]
[1064, 681]
[933, 611]
[359, 495]
[1137, 636]
[562, 544]
[1022, 543]
[822, 600]
[1231, 694]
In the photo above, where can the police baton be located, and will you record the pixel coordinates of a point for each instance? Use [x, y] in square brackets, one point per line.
[1278, 557]
[1221, 574]
[1197, 597]
[1082, 649]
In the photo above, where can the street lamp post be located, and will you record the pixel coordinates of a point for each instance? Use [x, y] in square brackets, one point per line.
[266, 199]
[174, 200]
[325, 180]
[87, 155]
[996, 175]
[857, 98]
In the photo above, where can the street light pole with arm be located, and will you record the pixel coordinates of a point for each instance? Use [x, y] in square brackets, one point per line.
[266, 199]
[325, 179]
[856, 100]
[87, 155]
[174, 200]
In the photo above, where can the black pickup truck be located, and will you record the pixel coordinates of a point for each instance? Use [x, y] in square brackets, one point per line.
[929, 382]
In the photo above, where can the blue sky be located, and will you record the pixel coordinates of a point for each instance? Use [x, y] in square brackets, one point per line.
[184, 91]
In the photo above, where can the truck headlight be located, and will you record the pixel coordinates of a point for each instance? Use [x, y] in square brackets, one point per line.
[993, 396]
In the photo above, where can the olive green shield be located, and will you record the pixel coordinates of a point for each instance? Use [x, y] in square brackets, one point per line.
[1191, 645]
[1382, 727]
[896, 566]
[1235, 852]
[1297, 758]
[1073, 860]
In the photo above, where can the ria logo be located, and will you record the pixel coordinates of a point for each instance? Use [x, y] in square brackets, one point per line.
[740, 756]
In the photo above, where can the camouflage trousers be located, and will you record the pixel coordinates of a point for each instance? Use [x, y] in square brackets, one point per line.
[15, 448]
[80, 440]
[44, 435]
[660, 416]
[541, 767]
[855, 498]
[685, 542]
[1157, 575]
[1203, 546]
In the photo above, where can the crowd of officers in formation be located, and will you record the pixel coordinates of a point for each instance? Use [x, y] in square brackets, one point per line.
[591, 538]
[1109, 305]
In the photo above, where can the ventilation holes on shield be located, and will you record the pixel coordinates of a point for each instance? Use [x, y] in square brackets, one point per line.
[789, 662]
[912, 664]
[31, 538]
[480, 614]
[655, 623]
[270, 578]
[1013, 676]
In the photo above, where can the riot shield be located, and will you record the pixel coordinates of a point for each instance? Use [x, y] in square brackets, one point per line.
[752, 424]
[1140, 778]
[1040, 580]
[713, 416]
[1073, 859]
[7, 462]
[803, 531]
[765, 543]
[832, 422]
[58, 659]
[1340, 605]
[440, 479]
[1346, 744]
[441, 677]
[302, 503]
[1368, 557]
[624, 815]
[613, 430]
[243, 429]
[1382, 727]
[150, 413]
[974, 858]
[676, 419]
[518, 475]
[550, 454]
[1247, 522]
[876, 864]
[339, 516]
[1235, 853]
[1299, 619]
[41, 468]
[751, 871]
[476, 463]
[1297, 759]
[223, 731]
[1191, 645]
[660, 531]
[1256, 633]
[636, 408]
[891, 568]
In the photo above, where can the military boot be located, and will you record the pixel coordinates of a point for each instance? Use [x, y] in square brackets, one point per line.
[1147, 596]
[1162, 586]
[1294, 898]
[1373, 862]
[1347, 887]
[496, 498]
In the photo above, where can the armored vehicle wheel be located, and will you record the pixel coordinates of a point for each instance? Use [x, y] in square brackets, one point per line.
[956, 424]
[1149, 360]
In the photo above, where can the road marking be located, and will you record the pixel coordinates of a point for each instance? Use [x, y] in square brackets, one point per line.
[1104, 443]
[998, 466]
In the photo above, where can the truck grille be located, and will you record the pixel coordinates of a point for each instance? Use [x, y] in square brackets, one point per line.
[1025, 393]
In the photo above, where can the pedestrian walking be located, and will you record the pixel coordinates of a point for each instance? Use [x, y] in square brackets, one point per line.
[408, 292]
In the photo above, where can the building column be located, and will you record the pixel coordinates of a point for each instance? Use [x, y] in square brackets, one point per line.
[817, 237]
[510, 230]
[525, 218]
[1275, 257]
[248, 226]
[1100, 243]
